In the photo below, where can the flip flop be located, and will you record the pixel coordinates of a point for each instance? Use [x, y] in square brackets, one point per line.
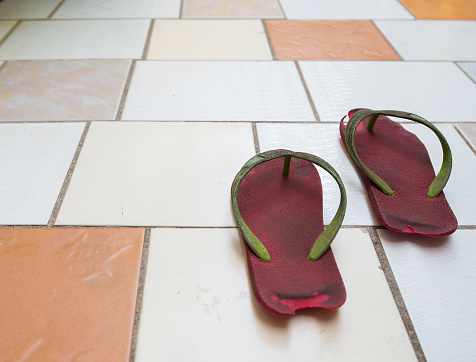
[278, 209]
[396, 170]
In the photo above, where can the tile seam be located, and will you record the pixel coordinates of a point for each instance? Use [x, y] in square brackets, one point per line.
[55, 9]
[145, 53]
[456, 63]
[465, 139]
[125, 92]
[388, 42]
[140, 294]
[397, 296]
[268, 37]
[255, 137]
[282, 9]
[67, 180]
[308, 93]
[181, 10]
[7, 35]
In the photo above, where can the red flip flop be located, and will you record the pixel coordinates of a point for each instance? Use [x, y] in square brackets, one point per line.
[401, 185]
[278, 209]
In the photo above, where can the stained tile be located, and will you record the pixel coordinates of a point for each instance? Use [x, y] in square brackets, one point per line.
[442, 9]
[431, 40]
[436, 279]
[61, 90]
[76, 39]
[469, 131]
[328, 40]
[209, 40]
[344, 9]
[217, 91]
[438, 91]
[173, 174]
[35, 159]
[103, 9]
[231, 9]
[324, 141]
[197, 294]
[70, 293]
[27, 9]
[469, 68]
[5, 27]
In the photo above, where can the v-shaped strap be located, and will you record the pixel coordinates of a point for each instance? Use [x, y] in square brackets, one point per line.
[324, 240]
[443, 175]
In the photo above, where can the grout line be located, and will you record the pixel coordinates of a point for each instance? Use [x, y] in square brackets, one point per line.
[147, 40]
[388, 42]
[268, 37]
[140, 294]
[17, 24]
[120, 108]
[282, 9]
[397, 296]
[55, 10]
[465, 139]
[69, 174]
[456, 63]
[308, 93]
[2, 65]
[181, 10]
[255, 137]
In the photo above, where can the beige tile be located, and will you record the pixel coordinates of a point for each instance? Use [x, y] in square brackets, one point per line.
[174, 174]
[209, 40]
[197, 295]
[5, 27]
[231, 9]
[68, 294]
[61, 90]
[469, 130]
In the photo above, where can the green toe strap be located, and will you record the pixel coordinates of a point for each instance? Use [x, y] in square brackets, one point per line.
[324, 240]
[438, 183]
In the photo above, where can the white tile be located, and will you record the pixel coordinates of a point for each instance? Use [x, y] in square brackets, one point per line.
[27, 9]
[217, 91]
[104, 9]
[344, 9]
[469, 68]
[439, 92]
[431, 39]
[197, 295]
[324, 141]
[173, 174]
[469, 132]
[209, 40]
[5, 27]
[437, 280]
[76, 39]
[35, 159]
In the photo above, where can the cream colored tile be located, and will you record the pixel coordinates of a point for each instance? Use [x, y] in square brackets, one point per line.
[103, 9]
[77, 39]
[469, 131]
[197, 295]
[231, 9]
[62, 90]
[175, 174]
[209, 40]
[27, 9]
[5, 27]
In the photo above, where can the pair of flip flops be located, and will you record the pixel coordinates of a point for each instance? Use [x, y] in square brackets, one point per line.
[277, 204]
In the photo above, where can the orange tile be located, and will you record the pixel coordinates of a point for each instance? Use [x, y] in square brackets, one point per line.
[68, 294]
[328, 40]
[442, 9]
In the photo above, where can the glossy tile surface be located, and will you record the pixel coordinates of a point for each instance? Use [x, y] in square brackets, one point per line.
[61, 90]
[78, 39]
[164, 174]
[204, 299]
[344, 9]
[27, 9]
[431, 40]
[436, 279]
[5, 27]
[70, 293]
[90, 9]
[469, 68]
[337, 87]
[217, 91]
[328, 40]
[35, 159]
[209, 40]
[442, 9]
[231, 9]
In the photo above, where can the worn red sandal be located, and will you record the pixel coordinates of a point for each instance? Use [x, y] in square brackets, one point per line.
[278, 208]
[401, 185]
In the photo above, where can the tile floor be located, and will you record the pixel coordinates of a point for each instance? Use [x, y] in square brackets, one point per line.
[122, 125]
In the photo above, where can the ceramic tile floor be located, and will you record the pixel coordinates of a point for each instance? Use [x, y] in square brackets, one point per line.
[122, 125]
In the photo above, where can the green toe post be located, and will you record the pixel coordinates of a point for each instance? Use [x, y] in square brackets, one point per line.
[287, 164]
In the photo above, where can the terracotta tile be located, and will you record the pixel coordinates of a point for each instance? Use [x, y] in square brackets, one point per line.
[328, 40]
[68, 294]
[61, 90]
[231, 9]
[442, 9]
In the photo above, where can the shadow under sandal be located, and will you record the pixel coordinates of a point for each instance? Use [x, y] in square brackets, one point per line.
[277, 204]
[395, 167]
